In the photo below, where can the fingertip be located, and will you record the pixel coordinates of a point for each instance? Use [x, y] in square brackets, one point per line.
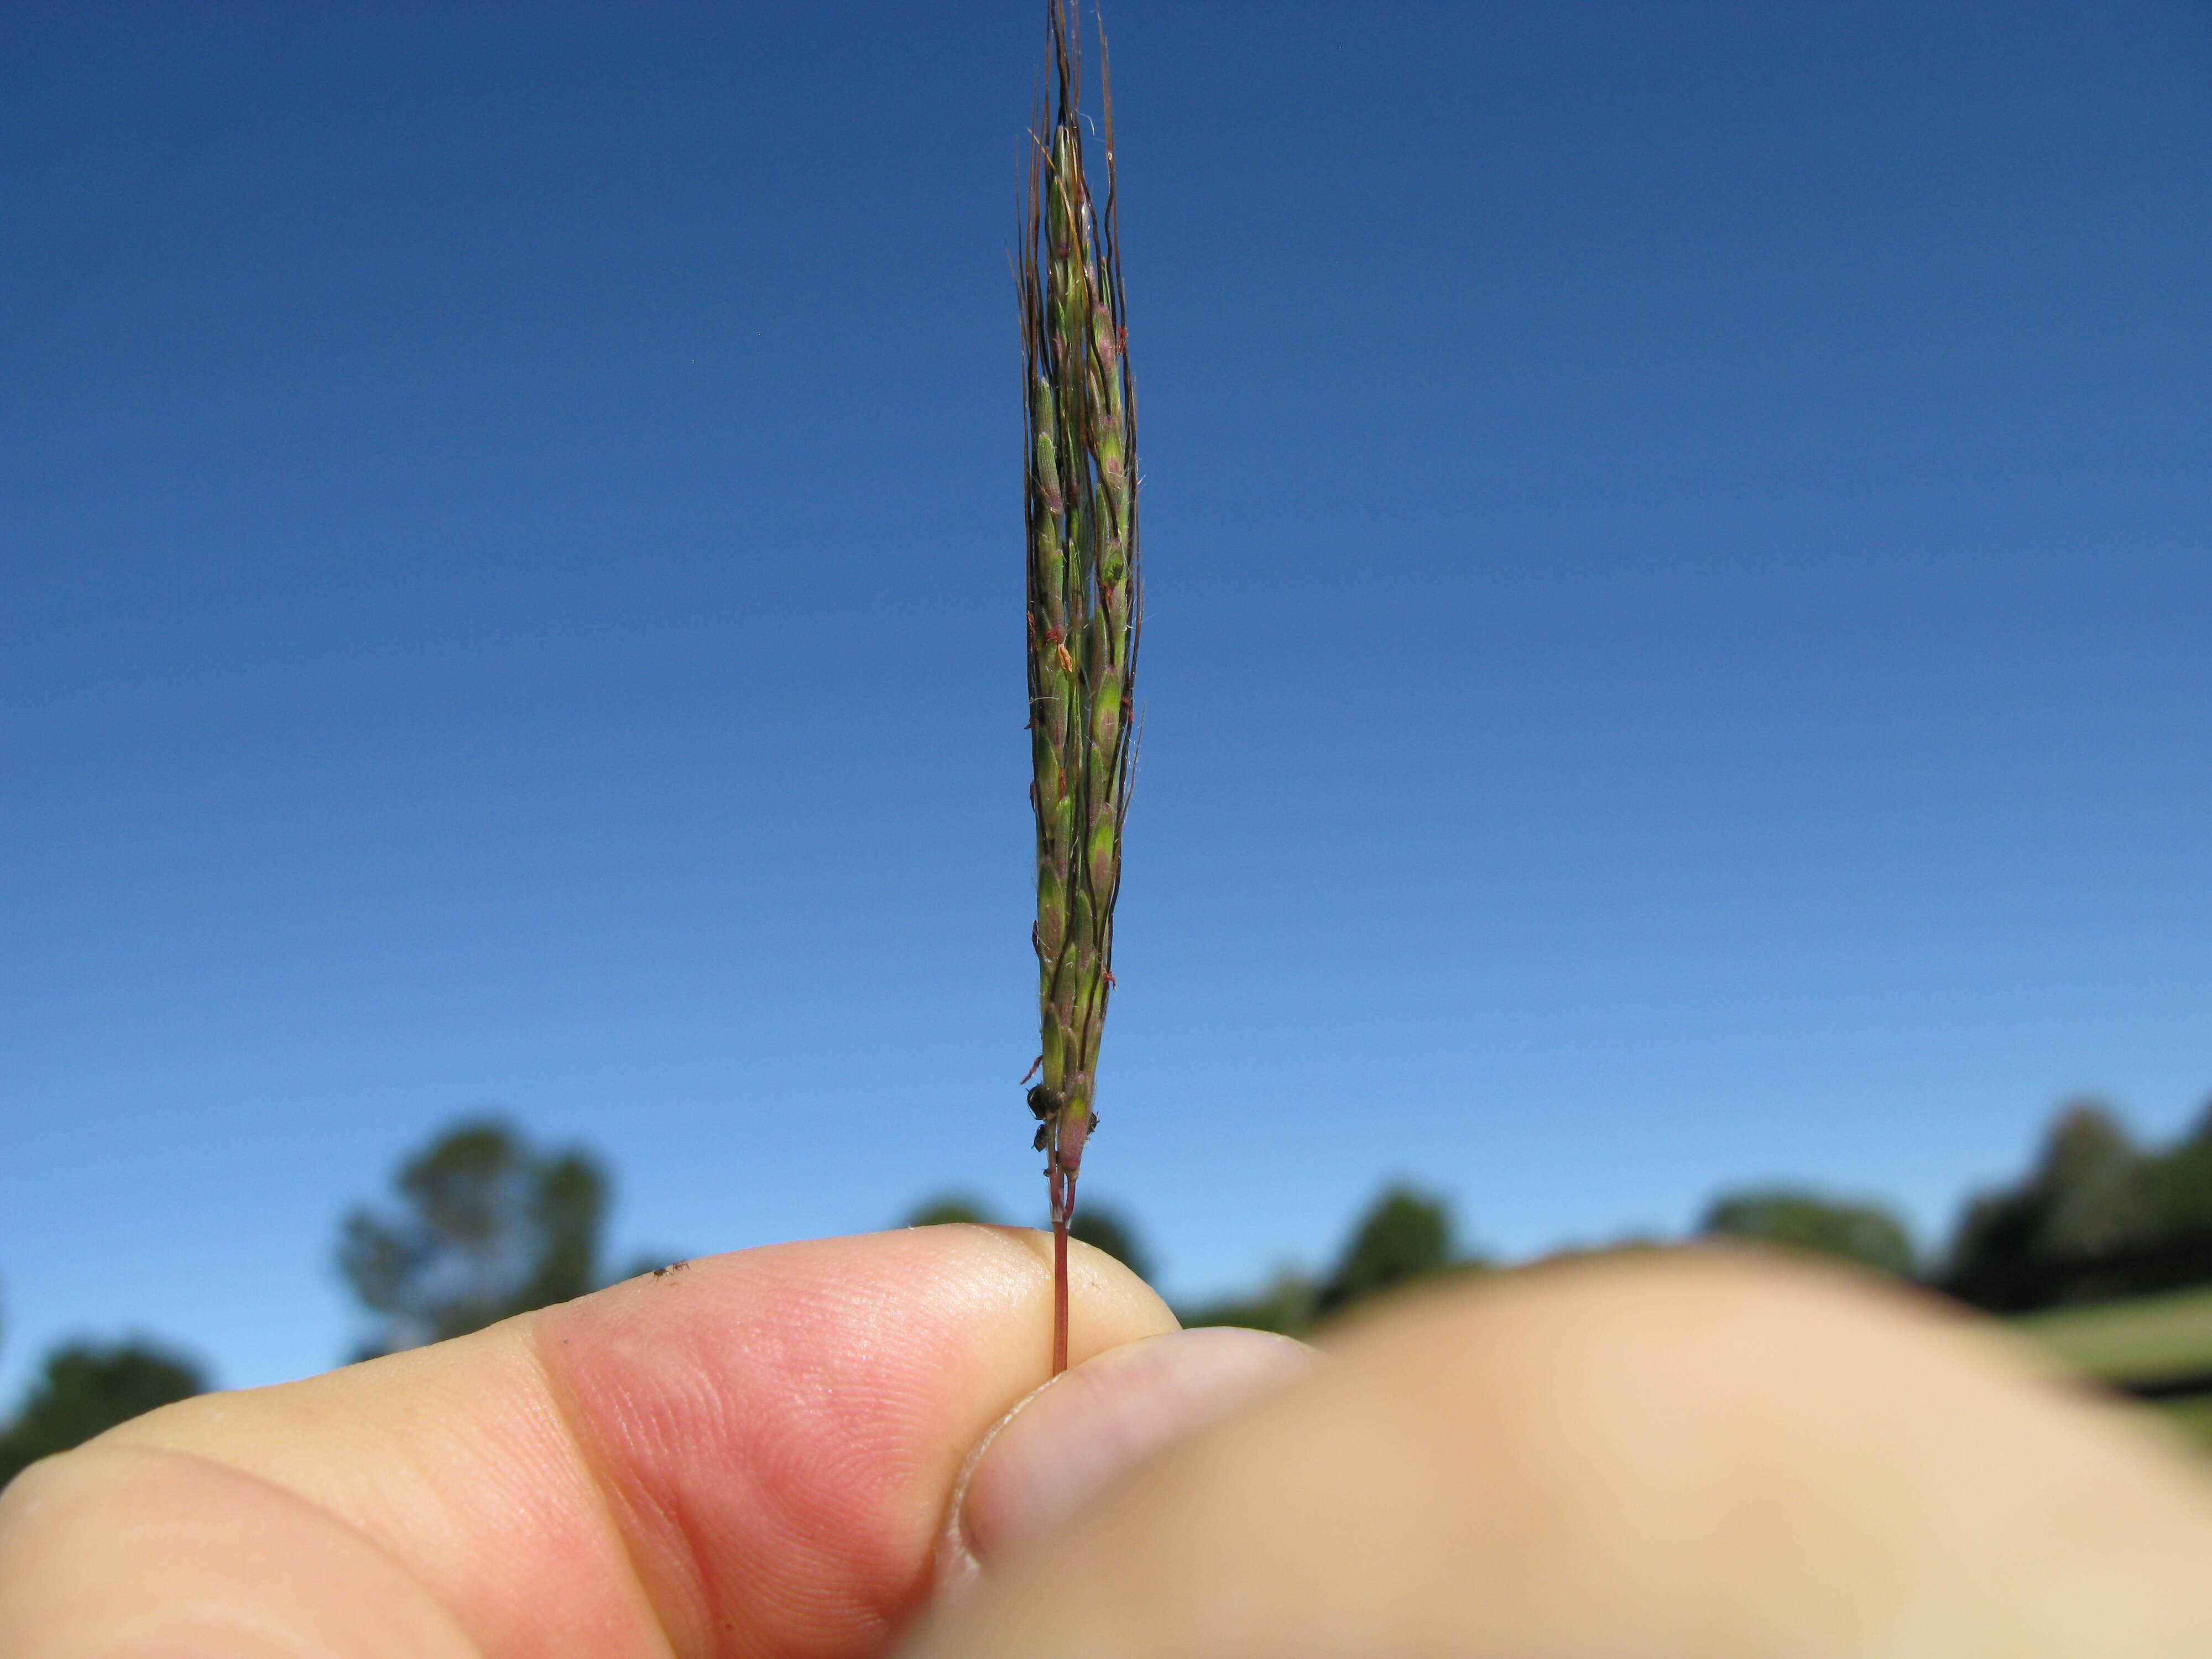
[781, 1428]
[1066, 1440]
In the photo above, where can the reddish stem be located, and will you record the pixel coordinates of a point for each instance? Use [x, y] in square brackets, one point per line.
[1058, 1291]
[1060, 1185]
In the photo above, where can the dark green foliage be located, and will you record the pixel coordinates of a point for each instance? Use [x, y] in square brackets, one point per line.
[1287, 1307]
[2091, 1185]
[1865, 1233]
[1405, 1235]
[2179, 1181]
[1104, 1227]
[2096, 1218]
[488, 1228]
[949, 1208]
[84, 1389]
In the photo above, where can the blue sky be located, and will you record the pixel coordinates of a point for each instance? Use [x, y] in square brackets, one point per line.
[1676, 550]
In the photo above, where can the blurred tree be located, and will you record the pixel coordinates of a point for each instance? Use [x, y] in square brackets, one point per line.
[2180, 1182]
[1993, 1260]
[2096, 1218]
[1287, 1306]
[2090, 1185]
[1405, 1234]
[85, 1388]
[1104, 1227]
[489, 1227]
[949, 1208]
[1868, 1234]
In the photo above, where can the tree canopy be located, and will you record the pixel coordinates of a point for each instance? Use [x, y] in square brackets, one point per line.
[1286, 1305]
[2097, 1216]
[85, 1388]
[1404, 1236]
[1107, 1227]
[948, 1209]
[1869, 1234]
[486, 1227]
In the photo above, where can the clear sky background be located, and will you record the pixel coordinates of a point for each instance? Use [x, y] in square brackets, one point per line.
[1678, 647]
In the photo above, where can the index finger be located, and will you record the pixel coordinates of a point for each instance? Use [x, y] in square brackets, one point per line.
[747, 1454]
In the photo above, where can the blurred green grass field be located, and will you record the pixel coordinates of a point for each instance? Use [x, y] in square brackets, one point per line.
[2151, 1338]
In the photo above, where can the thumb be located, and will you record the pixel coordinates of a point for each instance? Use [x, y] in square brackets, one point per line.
[1680, 1454]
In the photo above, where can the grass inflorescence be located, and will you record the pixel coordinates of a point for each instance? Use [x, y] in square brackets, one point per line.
[1084, 606]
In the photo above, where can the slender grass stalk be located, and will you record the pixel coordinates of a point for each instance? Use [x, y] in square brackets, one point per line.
[1084, 606]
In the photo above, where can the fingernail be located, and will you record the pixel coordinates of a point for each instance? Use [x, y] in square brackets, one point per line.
[1077, 1432]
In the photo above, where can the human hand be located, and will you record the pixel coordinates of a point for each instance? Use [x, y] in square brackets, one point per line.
[1713, 1453]
[747, 1455]
[1683, 1454]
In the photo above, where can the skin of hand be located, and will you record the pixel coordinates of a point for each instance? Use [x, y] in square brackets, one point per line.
[747, 1455]
[769, 1454]
[1708, 1453]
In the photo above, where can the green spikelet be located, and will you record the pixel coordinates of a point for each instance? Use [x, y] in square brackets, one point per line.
[1085, 601]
